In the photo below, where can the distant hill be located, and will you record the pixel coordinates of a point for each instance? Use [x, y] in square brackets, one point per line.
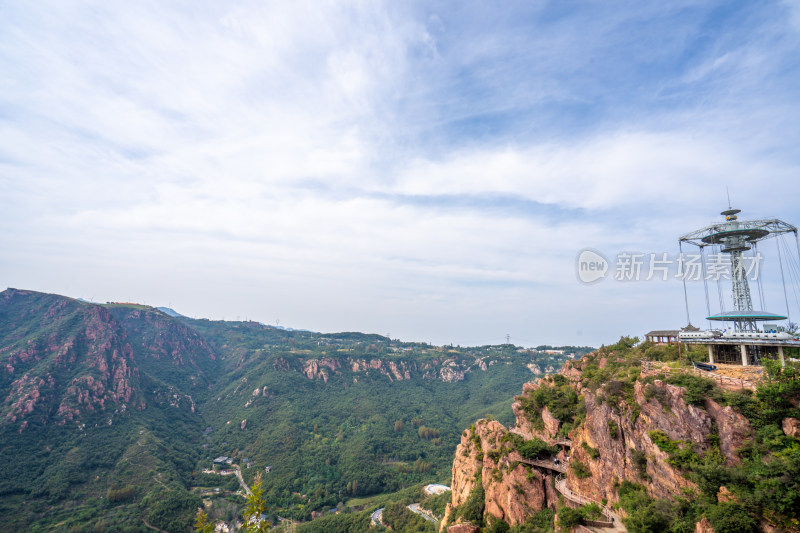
[170, 312]
[116, 410]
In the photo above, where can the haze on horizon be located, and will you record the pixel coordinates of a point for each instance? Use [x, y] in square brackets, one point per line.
[428, 170]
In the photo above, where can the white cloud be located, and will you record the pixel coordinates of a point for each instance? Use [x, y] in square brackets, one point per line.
[611, 171]
[374, 166]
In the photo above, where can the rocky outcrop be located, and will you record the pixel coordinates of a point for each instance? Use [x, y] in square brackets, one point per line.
[468, 463]
[449, 370]
[703, 526]
[320, 368]
[551, 424]
[512, 489]
[450, 374]
[791, 427]
[394, 370]
[617, 441]
[524, 426]
[724, 495]
[463, 528]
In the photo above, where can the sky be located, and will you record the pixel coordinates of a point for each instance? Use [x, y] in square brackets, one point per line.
[426, 170]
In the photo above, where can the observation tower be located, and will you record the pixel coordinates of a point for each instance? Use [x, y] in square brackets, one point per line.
[753, 333]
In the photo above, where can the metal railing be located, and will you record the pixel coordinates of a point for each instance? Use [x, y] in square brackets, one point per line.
[574, 497]
[545, 464]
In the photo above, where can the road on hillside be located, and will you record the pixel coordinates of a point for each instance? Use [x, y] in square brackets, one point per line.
[377, 517]
[434, 489]
[241, 481]
[415, 508]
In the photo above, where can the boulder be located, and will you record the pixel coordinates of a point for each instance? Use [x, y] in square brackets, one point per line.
[703, 526]
[724, 495]
[791, 426]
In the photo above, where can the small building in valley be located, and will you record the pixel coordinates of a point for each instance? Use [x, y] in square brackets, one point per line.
[223, 462]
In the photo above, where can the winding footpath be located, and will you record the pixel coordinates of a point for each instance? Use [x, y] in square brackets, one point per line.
[571, 495]
[613, 519]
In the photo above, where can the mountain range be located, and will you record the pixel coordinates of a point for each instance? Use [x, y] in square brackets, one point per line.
[111, 413]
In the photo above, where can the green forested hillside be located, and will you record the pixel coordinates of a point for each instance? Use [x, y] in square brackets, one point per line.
[112, 412]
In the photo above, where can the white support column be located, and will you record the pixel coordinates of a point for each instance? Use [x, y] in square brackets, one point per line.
[781, 357]
[744, 355]
[711, 353]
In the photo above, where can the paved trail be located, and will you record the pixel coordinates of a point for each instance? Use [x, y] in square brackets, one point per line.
[415, 508]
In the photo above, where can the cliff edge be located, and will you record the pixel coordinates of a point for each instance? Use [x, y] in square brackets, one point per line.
[602, 445]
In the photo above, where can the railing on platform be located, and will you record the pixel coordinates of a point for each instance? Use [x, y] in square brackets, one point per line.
[648, 369]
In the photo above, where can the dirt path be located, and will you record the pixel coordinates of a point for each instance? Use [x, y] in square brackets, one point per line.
[150, 526]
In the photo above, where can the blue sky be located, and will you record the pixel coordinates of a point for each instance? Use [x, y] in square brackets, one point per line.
[425, 169]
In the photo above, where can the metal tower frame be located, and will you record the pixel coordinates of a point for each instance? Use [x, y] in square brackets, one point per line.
[734, 237]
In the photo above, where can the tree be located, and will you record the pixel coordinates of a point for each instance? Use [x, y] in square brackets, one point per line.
[255, 508]
[201, 524]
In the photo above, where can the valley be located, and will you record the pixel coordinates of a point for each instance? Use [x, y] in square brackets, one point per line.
[110, 413]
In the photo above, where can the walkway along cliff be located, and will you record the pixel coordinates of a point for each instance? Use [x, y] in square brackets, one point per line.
[659, 448]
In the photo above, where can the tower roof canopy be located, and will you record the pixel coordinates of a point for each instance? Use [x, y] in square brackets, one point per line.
[745, 315]
[748, 230]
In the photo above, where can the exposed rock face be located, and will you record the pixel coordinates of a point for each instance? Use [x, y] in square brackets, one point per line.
[550, 424]
[448, 370]
[320, 368]
[85, 365]
[616, 459]
[734, 429]
[791, 426]
[463, 528]
[704, 526]
[84, 358]
[392, 369]
[571, 370]
[467, 464]
[534, 368]
[670, 414]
